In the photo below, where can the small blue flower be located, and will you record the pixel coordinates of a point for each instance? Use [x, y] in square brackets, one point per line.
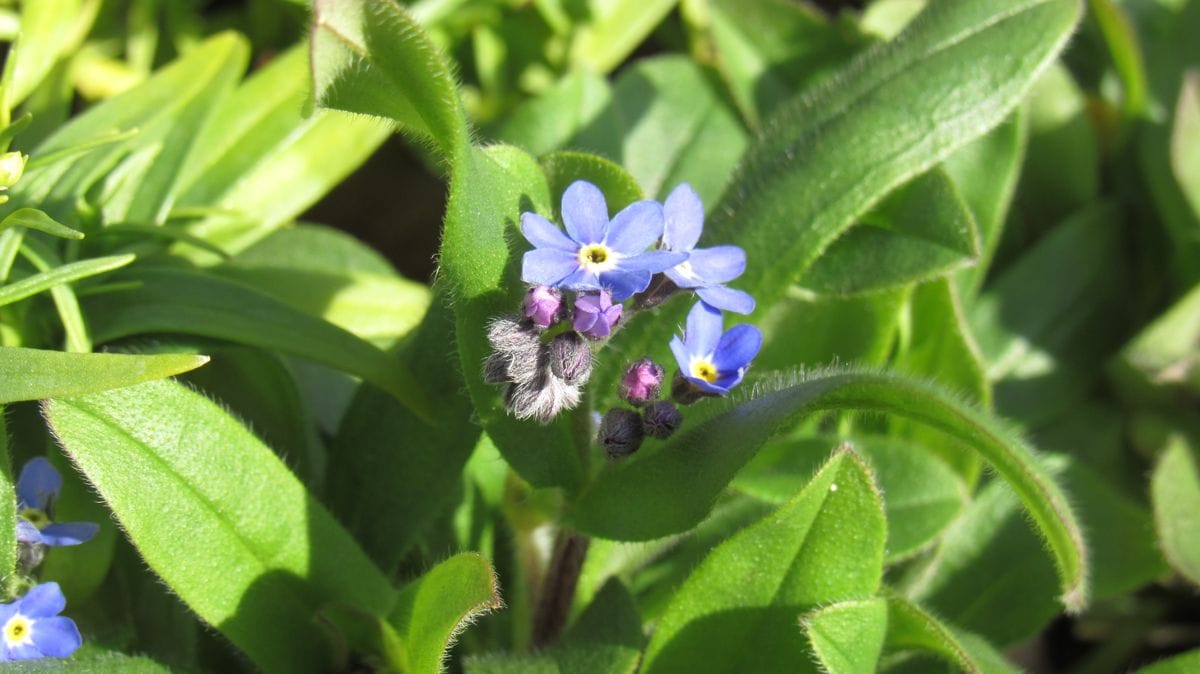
[33, 629]
[711, 361]
[596, 253]
[706, 269]
[37, 490]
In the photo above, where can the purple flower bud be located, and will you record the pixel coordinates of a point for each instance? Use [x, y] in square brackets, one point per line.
[661, 420]
[596, 315]
[620, 432]
[641, 382]
[571, 358]
[544, 306]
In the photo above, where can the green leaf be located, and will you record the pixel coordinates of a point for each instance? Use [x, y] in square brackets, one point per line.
[371, 57]
[32, 374]
[195, 303]
[67, 273]
[1180, 664]
[737, 612]
[670, 487]
[257, 140]
[922, 495]
[912, 627]
[45, 260]
[1122, 42]
[1175, 493]
[1184, 144]
[548, 122]
[920, 231]
[79, 569]
[808, 330]
[613, 29]
[1163, 358]
[563, 168]
[847, 637]
[8, 513]
[433, 609]
[89, 661]
[242, 542]
[366, 635]
[32, 218]
[50, 31]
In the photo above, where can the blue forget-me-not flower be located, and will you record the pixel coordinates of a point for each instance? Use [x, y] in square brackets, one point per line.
[37, 489]
[706, 270]
[596, 253]
[711, 361]
[33, 629]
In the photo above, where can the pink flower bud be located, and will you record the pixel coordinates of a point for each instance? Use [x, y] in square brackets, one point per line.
[641, 382]
[543, 305]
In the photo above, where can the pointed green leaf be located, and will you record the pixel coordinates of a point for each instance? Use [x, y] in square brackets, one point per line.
[434, 608]
[67, 273]
[670, 487]
[738, 611]
[912, 627]
[613, 29]
[50, 31]
[32, 218]
[1175, 493]
[847, 637]
[1163, 360]
[1185, 148]
[33, 374]
[218, 516]
[196, 303]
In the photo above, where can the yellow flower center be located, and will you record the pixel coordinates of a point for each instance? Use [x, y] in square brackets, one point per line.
[18, 630]
[597, 258]
[704, 369]
[36, 517]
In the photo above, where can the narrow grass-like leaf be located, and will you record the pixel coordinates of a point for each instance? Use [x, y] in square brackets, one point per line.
[241, 542]
[45, 260]
[433, 609]
[911, 627]
[738, 610]
[614, 29]
[32, 218]
[196, 303]
[1175, 492]
[33, 374]
[847, 637]
[669, 488]
[72, 271]
[49, 31]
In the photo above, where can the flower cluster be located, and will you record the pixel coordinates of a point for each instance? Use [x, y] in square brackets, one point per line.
[31, 627]
[587, 279]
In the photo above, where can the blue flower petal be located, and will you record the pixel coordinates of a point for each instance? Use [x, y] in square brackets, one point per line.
[728, 380]
[703, 330]
[7, 611]
[56, 637]
[635, 228]
[24, 651]
[581, 279]
[719, 264]
[682, 357]
[27, 533]
[544, 234]
[713, 388]
[652, 261]
[625, 284]
[684, 215]
[547, 266]
[737, 348]
[69, 533]
[38, 484]
[584, 212]
[727, 299]
[42, 601]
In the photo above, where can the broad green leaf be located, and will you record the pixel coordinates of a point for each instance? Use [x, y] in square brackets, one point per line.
[1175, 492]
[33, 374]
[137, 178]
[258, 140]
[847, 637]
[195, 303]
[1163, 357]
[1180, 664]
[1185, 140]
[918, 232]
[434, 608]
[922, 495]
[242, 542]
[50, 31]
[371, 57]
[670, 487]
[329, 274]
[89, 660]
[912, 627]
[8, 513]
[613, 29]
[394, 474]
[766, 51]
[1047, 322]
[738, 611]
[549, 121]
[666, 124]
[32, 218]
[563, 168]
[824, 160]
[808, 330]
[67, 273]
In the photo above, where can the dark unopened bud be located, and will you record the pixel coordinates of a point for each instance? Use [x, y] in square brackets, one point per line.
[641, 382]
[684, 391]
[620, 432]
[517, 345]
[571, 358]
[661, 420]
[544, 306]
[541, 398]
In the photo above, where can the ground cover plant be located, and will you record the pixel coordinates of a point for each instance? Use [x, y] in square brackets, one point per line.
[600, 336]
